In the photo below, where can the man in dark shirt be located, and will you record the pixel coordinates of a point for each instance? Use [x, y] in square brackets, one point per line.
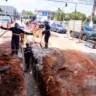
[47, 33]
[16, 31]
[27, 55]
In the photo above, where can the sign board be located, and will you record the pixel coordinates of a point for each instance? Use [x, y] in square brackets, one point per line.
[75, 25]
[44, 13]
[4, 18]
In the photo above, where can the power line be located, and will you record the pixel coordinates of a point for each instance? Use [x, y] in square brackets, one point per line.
[70, 2]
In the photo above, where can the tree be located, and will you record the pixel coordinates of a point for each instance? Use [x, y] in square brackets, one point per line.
[89, 18]
[77, 16]
[67, 17]
[1, 10]
[29, 13]
[59, 15]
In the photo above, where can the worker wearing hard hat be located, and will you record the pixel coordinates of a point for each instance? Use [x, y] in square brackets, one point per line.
[47, 33]
[16, 31]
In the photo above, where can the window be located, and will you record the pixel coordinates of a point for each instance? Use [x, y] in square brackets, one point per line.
[88, 28]
[59, 25]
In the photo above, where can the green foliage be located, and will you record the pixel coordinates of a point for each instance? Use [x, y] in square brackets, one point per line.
[29, 13]
[59, 15]
[89, 17]
[67, 17]
[1, 10]
[77, 16]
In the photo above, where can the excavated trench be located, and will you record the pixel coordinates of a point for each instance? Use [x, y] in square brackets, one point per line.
[56, 72]
[38, 75]
[63, 72]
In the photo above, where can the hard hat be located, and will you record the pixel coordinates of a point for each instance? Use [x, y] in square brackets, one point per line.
[46, 22]
[17, 25]
[27, 43]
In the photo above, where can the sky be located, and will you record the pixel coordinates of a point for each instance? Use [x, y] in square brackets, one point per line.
[32, 5]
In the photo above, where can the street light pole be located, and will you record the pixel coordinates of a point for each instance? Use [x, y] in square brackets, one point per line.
[6, 8]
[93, 13]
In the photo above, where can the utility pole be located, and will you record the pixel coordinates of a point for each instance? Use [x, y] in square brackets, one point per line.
[93, 13]
[6, 8]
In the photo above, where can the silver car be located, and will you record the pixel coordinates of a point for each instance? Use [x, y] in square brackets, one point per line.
[58, 28]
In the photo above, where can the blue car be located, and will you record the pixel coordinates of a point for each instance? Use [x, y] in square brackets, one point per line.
[58, 28]
[87, 33]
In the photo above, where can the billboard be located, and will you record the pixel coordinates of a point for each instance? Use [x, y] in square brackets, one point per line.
[44, 13]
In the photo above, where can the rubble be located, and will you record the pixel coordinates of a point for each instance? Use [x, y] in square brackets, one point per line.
[65, 72]
[12, 81]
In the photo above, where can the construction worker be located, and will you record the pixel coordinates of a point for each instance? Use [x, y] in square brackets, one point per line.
[27, 55]
[16, 31]
[47, 33]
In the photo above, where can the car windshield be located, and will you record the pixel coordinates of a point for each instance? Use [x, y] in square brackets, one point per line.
[88, 28]
[59, 25]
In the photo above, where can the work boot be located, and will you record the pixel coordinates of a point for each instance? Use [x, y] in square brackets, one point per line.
[16, 52]
[12, 53]
[25, 71]
[46, 45]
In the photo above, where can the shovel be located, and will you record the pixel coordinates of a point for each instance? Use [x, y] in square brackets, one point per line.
[41, 41]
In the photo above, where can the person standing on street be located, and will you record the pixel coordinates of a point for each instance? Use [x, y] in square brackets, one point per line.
[47, 33]
[16, 31]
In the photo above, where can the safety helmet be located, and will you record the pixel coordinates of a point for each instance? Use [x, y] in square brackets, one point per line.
[27, 44]
[46, 22]
[17, 25]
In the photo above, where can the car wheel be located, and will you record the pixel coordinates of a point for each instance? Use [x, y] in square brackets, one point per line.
[65, 31]
[84, 37]
[71, 34]
[57, 31]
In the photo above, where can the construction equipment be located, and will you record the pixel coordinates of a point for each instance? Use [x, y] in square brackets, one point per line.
[90, 44]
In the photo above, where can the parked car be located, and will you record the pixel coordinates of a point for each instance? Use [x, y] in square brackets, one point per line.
[87, 33]
[58, 28]
[94, 26]
[40, 24]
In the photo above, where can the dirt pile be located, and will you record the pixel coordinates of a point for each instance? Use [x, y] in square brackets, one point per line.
[12, 81]
[5, 47]
[69, 73]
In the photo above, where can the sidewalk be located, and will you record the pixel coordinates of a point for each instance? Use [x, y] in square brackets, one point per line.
[62, 42]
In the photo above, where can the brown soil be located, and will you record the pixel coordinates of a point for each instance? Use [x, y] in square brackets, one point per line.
[71, 74]
[5, 47]
[12, 81]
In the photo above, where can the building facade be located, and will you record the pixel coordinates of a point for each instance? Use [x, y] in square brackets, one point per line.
[45, 14]
[9, 10]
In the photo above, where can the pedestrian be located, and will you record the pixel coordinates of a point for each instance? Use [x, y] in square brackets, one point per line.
[27, 55]
[47, 33]
[16, 31]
